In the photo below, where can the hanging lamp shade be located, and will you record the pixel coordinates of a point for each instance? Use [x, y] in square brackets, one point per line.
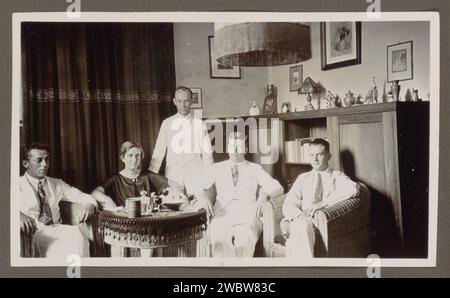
[261, 44]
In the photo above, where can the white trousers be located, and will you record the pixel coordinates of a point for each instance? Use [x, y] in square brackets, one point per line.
[60, 241]
[234, 240]
[302, 238]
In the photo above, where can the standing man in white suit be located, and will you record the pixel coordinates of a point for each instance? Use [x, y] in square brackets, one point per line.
[39, 210]
[184, 140]
[242, 189]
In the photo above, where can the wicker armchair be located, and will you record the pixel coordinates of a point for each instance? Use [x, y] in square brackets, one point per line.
[342, 230]
[69, 212]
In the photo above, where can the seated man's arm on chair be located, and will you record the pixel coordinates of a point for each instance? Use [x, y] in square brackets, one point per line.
[293, 203]
[74, 195]
[269, 188]
[343, 189]
[208, 196]
[27, 224]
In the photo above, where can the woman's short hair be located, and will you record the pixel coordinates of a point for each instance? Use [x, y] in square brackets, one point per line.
[127, 145]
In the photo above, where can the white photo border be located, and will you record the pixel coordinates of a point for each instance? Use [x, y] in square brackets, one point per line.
[195, 17]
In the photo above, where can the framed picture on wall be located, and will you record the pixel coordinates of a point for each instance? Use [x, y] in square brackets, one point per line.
[400, 61]
[295, 77]
[340, 44]
[196, 98]
[218, 70]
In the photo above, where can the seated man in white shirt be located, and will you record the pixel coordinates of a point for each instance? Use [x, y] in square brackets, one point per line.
[242, 188]
[319, 188]
[39, 210]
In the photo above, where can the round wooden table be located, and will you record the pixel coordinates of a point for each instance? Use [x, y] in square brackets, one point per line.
[162, 234]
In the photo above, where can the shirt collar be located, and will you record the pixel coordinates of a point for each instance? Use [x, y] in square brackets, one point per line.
[233, 163]
[326, 171]
[35, 181]
[188, 116]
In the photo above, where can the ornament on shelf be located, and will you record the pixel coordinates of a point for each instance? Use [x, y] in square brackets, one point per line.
[416, 95]
[270, 102]
[286, 107]
[359, 100]
[372, 94]
[395, 89]
[349, 99]
[384, 96]
[329, 101]
[254, 110]
[338, 101]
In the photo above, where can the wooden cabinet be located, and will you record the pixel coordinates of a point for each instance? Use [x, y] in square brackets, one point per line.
[385, 146]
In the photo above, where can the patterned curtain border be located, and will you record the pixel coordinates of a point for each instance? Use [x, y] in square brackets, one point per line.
[94, 96]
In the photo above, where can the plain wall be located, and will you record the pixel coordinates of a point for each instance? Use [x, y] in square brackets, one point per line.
[230, 97]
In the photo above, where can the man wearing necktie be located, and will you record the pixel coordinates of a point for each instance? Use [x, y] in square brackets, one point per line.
[242, 188]
[319, 188]
[39, 210]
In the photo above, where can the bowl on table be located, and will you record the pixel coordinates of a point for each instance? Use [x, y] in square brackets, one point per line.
[174, 201]
[173, 205]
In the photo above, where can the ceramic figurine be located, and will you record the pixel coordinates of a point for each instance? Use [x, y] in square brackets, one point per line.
[416, 95]
[395, 88]
[254, 110]
[390, 96]
[375, 92]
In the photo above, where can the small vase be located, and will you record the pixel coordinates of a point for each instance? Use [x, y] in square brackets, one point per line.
[349, 99]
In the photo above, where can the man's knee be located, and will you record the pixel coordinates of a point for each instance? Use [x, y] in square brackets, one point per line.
[301, 227]
[77, 239]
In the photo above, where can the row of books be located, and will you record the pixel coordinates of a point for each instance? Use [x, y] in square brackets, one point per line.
[297, 151]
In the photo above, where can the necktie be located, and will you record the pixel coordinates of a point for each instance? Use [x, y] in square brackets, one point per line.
[45, 215]
[318, 189]
[235, 174]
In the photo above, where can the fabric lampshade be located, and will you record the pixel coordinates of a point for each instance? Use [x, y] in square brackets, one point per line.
[261, 44]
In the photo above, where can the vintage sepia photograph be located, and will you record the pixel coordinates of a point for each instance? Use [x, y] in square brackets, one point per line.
[118, 160]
